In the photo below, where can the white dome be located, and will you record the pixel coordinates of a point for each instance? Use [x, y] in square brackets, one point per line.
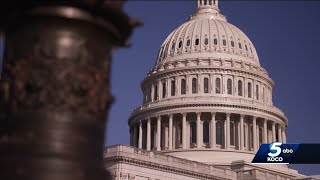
[207, 34]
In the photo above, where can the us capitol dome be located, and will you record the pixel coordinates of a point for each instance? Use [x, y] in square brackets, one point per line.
[207, 100]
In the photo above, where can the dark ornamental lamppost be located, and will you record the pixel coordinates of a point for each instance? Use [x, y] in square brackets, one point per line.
[55, 91]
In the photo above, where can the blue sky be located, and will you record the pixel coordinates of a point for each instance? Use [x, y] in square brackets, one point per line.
[285, 34]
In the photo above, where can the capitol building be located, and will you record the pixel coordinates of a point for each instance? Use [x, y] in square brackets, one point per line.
[207, 107]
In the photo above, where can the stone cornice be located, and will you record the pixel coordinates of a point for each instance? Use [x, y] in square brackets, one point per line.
[147, 111]
[160, 167]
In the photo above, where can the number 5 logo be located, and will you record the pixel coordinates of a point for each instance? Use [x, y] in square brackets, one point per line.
[275, 149]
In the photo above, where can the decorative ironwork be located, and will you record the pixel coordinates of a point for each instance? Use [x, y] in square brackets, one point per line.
[55, 90]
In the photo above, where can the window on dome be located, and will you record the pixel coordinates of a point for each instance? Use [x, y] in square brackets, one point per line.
[206, 85]
[155, 95]
[218, 85]
[206, 41]
[149, 94]
[219, 131]
[173, 45]
[251, 50]
[193, 131]
[194, 85]
[215, 41]
[240, 88]
[188, 42]
[197, 42]
[232, 43]
[229, 86]
[232, 134]
[180, 44]
[246, 47]
[224, 42]
[164, 89]
[249, 90]
[173, 88]
[183, 86]
[257, 92]
[206, 132]
[240, 46]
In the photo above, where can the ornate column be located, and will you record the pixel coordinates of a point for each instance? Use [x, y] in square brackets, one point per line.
[273, 131]
[254, 128]
[135, 133]
[279, 133]
[199, 140]
[265, 131]
[213, 130]
[228, 130]
[148, 134]
[284, 139]
[159, 133]
[152, 92]
[170, 130]
[140, 135]
[159, 89]
[241, 132]
[184, 136]
[54, 87]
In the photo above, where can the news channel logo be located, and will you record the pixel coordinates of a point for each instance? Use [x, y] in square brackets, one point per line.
[274, 153]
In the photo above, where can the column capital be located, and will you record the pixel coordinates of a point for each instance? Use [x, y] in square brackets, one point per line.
[242, 115]
[184, 114]
[159, 117]
[254, 117]
[170, 115]
[228, 114]
[198, 113]
[148, 119]
[213, 114]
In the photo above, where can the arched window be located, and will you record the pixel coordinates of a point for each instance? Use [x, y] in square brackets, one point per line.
[232, 43]
[173, 45]
[194, 85]
[246, 47]
[193, 131]
[240, 46]
[183, 86]
[219, 131]
[206, 85]
[249, 90]
[257, 92]
[232, 134]
[206, 132]
[155, 92]
[218, 85]
[197, 42]
[205, 2]
[180, 44]
[188, 42]
[224, 42]
[173, 88]
[164, 89]
[215, 41]
[229, 86]
[206, 41]
[240, 88]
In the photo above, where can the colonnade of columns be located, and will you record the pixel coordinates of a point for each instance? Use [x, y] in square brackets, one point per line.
[205, 130]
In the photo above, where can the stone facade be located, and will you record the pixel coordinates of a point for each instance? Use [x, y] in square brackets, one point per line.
[207, 108]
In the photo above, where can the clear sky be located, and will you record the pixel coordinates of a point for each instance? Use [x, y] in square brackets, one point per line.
[286, 35]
